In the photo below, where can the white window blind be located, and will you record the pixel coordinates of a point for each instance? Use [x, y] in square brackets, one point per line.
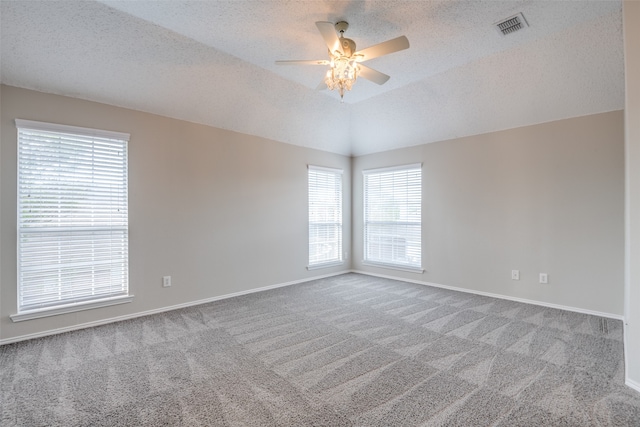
[325, 216]
[72, 215]
[392, 216]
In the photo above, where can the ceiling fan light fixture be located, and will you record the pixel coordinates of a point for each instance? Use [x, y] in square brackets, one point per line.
[344, 67]
[342, 74]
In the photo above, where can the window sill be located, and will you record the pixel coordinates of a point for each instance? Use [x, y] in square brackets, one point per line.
[394, 267]
[325, 265]
[70, 308]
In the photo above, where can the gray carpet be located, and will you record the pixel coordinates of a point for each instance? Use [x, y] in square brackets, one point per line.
[350, 350]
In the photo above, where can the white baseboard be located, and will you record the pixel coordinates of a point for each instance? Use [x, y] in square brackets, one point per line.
[632, 384]
[159, 310]
[489, 294]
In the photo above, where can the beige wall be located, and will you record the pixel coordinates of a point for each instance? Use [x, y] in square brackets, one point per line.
[632, 135]
[221, 212]
[547, 198]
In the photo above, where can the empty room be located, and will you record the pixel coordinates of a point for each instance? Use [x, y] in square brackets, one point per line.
[319, 213]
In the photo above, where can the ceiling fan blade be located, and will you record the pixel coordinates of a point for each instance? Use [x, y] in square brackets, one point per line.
[304, 62]
[328, 32]
[373, 75]
[384, 48]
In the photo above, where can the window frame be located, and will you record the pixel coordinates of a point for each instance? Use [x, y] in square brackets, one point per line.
[85, 142]
[338, 199]
[388, 263]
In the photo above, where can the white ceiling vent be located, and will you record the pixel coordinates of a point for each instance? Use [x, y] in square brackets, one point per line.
[511, 25]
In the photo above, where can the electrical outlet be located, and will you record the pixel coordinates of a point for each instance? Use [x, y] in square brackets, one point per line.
[515, 274]
[166, 281]
[544, 278]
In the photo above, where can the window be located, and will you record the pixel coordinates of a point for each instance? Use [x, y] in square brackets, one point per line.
[72, 218]
[392, 217]
[325, 216]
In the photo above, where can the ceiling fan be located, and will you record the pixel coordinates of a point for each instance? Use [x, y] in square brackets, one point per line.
[345, 63]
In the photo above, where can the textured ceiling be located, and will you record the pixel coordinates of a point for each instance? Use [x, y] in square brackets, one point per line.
[212, 62]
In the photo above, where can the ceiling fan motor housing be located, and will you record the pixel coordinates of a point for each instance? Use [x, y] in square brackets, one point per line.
[348, 46]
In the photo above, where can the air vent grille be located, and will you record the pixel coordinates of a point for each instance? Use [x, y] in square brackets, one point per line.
[511, 24]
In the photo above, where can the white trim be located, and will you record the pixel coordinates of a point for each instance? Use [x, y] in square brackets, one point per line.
[499, 296]
[54, 127]
[629, 189]
[625, 328]
[393, 168]
[393, 266]
[628, 382]
[325, 265]
[633, 384]
[322, 168]
[160, 310]
[70, 308]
